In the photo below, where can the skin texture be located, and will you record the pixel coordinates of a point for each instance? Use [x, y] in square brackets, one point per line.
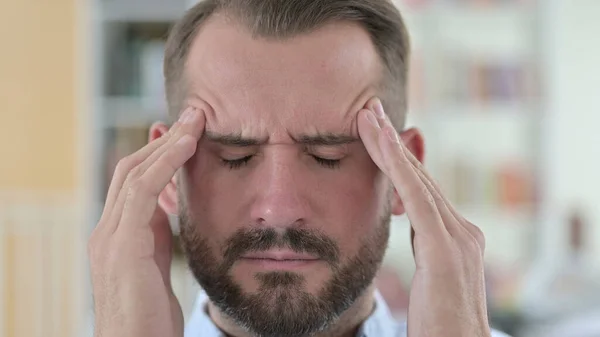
[280, 94]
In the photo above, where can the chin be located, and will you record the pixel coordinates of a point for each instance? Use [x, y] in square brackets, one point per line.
[298, 302]
[304, 277]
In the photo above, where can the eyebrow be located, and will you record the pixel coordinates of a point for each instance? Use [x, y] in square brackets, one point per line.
[323, 139]
[327, 139]
[233, 139]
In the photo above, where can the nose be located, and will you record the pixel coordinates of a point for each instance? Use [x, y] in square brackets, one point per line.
[280, 200]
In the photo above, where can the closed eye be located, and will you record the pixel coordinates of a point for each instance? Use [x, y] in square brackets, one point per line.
[236, 163]
[240, 162]
[329, 163]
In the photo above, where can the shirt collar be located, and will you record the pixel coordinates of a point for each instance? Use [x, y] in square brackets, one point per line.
[381, 323]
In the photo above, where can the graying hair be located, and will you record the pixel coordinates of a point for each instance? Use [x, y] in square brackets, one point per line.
[282, 19]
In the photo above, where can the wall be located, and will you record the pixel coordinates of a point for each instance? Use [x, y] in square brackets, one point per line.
[572, 141]
[40, 243]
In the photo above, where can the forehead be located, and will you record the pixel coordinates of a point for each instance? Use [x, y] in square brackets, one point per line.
[315, 82]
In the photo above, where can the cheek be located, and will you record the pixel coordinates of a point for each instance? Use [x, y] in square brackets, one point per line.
[352, 204]
[210, 198]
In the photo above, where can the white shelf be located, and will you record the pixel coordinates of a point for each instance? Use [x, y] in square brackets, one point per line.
[498, 31]
[132, 112]
[484, 110]
[486, 138]
[143, 10]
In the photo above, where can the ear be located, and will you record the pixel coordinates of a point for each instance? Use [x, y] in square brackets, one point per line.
[415, 143]
[167, 199]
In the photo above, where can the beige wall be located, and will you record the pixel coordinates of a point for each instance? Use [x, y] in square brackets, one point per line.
[39, 236]
[37, 94]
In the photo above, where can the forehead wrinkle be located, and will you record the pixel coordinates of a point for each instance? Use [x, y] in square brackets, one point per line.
[361, 99]
[232, 89]
[217, 115]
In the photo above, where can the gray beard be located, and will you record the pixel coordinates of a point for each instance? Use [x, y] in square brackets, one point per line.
[281, 307]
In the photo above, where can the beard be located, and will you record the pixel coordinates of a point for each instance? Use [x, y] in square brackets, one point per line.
[280, 306]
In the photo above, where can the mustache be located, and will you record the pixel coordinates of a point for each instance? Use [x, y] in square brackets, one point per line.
[299, 240]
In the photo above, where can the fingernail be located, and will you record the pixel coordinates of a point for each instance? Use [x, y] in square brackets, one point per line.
[184, 115]
[393, 135]
[378, 107]
[371, 117]
[187, 116]
[184, 139]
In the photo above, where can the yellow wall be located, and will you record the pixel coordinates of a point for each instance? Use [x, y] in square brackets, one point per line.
[39, 243]
[37, 88]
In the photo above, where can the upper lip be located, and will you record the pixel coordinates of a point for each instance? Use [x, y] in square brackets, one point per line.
[279, 255]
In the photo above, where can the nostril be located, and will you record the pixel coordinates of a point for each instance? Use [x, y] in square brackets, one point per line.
[262, 222]
[299, 223]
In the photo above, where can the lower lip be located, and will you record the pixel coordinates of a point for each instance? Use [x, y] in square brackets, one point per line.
[280, 264]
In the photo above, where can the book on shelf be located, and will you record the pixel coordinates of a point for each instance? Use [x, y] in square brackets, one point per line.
[506, 185]
[486, 81]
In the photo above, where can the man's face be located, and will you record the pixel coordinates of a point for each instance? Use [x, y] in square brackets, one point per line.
[284, 216]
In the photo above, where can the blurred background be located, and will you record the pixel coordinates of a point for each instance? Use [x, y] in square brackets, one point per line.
[507, 93]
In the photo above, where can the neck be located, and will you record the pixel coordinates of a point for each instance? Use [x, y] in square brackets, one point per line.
[347, 325]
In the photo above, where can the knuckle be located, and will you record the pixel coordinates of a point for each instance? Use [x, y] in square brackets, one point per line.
[113, 257]
[470, 247]
[417, 164]
[125, 164]
[430, 198]
[138, 187]
[436, 197]
[401, 157]
[479, 236]
[475, 241]
[397, 162]
[135, 172]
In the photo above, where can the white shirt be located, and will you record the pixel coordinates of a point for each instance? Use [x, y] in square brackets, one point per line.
[379, 324]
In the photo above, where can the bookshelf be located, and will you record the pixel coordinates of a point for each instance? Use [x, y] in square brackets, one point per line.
[474, 93]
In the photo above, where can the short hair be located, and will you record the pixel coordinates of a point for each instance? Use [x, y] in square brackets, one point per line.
[282, 19]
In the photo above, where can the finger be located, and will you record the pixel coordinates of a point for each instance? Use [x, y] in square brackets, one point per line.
[124, 166]
[368, 130]
[433, 185]
[376, 106]
[142, 197]
[450, 221]
[192, 125]
[159, 172]
[458, 219]
[388, 155]
[370, 120]
[124, 169]
[418, 201]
